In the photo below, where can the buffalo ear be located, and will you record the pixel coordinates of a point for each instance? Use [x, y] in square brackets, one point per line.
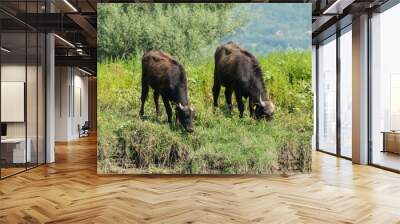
[194, 114]
[191, 109]
[273, 106]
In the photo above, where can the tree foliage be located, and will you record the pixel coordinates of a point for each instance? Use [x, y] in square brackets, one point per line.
[186, 31]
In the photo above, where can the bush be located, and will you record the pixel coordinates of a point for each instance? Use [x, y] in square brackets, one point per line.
[188, 30]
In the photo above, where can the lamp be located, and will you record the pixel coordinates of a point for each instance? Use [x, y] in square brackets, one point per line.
[70, 5]
[84, 71]
[337, 7]
[65, 41]
[5, 50]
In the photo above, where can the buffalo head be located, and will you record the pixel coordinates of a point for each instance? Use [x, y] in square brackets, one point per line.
[185, 115]
[264, 109]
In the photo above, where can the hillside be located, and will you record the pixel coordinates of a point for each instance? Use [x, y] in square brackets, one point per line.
[273, 26]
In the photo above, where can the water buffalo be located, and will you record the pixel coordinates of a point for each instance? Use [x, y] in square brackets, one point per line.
[167, 78]
[238, 71]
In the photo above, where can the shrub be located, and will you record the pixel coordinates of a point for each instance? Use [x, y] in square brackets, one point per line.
[128, 30]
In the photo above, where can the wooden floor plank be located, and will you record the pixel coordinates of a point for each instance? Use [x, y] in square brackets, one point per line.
[70, 191]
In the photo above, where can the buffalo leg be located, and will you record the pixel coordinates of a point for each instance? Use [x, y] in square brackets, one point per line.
[167, 108]
[228, 97]
[216, 88]
[156, 97]
[239, 101]
[176, 118]
[251, 109]
[145, 92]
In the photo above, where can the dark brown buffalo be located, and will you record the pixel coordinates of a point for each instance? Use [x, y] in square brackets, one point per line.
[238, 71]
[167, 78]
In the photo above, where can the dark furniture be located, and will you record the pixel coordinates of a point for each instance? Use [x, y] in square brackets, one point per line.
[84, 130]
[3, 129]
[391, 141]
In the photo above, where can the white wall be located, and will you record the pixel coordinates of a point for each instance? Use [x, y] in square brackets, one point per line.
[33, 126]
[70, 83]
[62, 82]
[12, 73]
[9, 73]
[80, 84]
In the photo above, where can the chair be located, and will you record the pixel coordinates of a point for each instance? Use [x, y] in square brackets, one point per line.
[84, 130]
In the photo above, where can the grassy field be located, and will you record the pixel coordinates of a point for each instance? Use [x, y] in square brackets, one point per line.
[221, 142]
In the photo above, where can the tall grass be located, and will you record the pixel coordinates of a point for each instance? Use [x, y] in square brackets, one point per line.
[221, 142]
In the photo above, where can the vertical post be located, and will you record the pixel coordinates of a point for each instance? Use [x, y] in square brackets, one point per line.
[360, 90]
[338, 76]
[50, 93]
[26, 87]
[1, 165]
[316, 114]
[314, 87]
[37, 89]
[369, 53]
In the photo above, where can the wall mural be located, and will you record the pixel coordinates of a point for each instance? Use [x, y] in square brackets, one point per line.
[204, 88]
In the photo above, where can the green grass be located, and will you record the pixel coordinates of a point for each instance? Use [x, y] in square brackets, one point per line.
[222, 142]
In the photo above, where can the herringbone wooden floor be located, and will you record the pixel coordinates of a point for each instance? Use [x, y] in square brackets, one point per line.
[70, 191]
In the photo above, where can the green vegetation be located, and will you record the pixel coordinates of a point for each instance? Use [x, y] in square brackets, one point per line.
[128, 30]
[192, 31]
[221, 143]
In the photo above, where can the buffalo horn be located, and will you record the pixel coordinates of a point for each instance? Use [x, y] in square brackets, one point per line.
[262, 103]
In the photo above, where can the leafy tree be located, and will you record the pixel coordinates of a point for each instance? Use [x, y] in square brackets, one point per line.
[187, 31]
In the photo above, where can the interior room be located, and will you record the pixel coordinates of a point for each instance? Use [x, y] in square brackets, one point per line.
[23, 96]
[49, 147]
[334, 105]
[28, 56]
[385, 88]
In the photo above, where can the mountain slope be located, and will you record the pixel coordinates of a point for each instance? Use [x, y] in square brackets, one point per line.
[273, 26]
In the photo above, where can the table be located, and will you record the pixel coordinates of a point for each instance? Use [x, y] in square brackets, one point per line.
[13, 150]
[391, 141]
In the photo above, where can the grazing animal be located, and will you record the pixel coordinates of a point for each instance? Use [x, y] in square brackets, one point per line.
[167, 78]
[238, 71]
